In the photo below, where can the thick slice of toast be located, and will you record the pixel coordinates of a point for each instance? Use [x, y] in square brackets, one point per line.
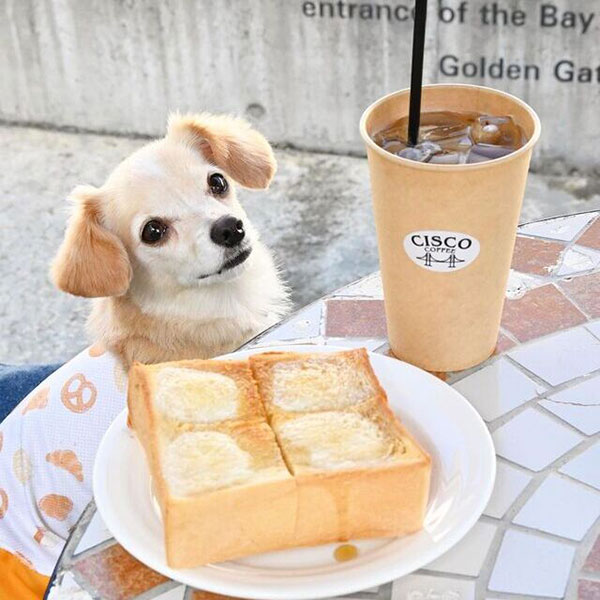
[323, 460]
[349, 454]
[218, 474]
[291, 382]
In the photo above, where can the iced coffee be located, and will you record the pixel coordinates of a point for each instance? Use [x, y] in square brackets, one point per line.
[446, 218]
[454, 138]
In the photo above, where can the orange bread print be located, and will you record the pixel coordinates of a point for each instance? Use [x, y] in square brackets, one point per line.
[37, 401]
[66, 459]
[56, 506]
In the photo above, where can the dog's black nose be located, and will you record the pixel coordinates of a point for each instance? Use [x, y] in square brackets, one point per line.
[227, 231]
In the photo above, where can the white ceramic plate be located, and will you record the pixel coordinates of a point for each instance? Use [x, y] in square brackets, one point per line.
[464, 468]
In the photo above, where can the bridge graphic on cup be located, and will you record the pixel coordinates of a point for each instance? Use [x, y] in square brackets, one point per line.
[428, 260]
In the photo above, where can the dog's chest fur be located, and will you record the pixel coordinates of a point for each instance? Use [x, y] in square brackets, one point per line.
[197, 322]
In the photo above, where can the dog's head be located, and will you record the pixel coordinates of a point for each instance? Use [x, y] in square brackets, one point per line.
[168, 213]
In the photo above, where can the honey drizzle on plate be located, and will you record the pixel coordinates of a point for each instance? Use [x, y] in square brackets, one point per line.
[345, 552]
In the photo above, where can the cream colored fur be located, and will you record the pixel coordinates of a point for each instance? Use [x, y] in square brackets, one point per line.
[151, 303]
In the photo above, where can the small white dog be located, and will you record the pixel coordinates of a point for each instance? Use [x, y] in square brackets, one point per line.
[177, 268]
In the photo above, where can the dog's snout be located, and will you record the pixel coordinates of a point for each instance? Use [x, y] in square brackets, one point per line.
[227, 231]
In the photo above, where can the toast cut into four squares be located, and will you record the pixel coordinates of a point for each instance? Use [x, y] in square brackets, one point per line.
[283, 450]
[349, 454]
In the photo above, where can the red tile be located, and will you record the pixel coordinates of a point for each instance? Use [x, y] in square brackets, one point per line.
[202, 595]
[592, 562]
[503, 344]
[591, 236]
[116, 575]
[588, 590]
[536, 256]
[355, 318]
[539, 312]
[585, 292]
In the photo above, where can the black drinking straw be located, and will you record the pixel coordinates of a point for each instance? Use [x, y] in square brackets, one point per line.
[416, 77]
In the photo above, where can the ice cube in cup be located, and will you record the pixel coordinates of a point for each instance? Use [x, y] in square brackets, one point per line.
[447, 137]
[502, 131]
[484, 152]
[422, 152]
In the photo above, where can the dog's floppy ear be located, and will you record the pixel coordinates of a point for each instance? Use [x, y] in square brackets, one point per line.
[91, 261]
[230, 143]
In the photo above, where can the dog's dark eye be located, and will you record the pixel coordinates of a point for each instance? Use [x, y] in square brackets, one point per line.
[218, 184]
[154, 231]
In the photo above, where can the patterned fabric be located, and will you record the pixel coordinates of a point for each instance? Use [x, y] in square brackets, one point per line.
[47, 449]
[16, 381]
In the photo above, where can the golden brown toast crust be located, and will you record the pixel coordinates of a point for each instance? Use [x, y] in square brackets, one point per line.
[263, 366]
[306, 506]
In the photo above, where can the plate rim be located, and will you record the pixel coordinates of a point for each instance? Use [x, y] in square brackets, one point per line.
[325, 589]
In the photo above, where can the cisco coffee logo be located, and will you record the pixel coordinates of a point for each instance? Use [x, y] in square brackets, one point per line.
[441, 251]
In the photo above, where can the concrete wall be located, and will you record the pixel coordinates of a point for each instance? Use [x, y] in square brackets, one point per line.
[303, 71]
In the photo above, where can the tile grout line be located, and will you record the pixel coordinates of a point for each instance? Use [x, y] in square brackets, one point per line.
[507, 523]
[567, 295]
[95, 549]
[559, 387]
[582, 552]
[508, 334]
[594, 322]
[531, 402]
[548, 413]
[594, 215]
[507, 520]
[159, 589]
[543, 410]
[537, 478]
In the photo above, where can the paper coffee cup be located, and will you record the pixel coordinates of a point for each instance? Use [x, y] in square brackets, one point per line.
[443, 312]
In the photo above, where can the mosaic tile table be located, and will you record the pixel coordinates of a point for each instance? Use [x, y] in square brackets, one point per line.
[540, 397]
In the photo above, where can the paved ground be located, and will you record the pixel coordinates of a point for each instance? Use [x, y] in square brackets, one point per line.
[316, 216]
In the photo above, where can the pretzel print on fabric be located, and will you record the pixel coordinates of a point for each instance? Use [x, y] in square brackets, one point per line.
[48, 446]
[76, 400]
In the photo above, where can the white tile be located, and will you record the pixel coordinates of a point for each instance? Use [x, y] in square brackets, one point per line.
[68, 589]
[366, 594]
[95, 534]
[520, 283]
[467, 557]
[584, 418]
[562, 507]
[563, 228]
[509, 484]
[497, 389]
[561, 357]
[370, 344]
[371, 590]
[530, 564]
[369, 287]
[578, 405]
[594, 328]
[533, 440]
[305, 324]
[577, 259]
[177, 593]
[426, 587]
[585, 467]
